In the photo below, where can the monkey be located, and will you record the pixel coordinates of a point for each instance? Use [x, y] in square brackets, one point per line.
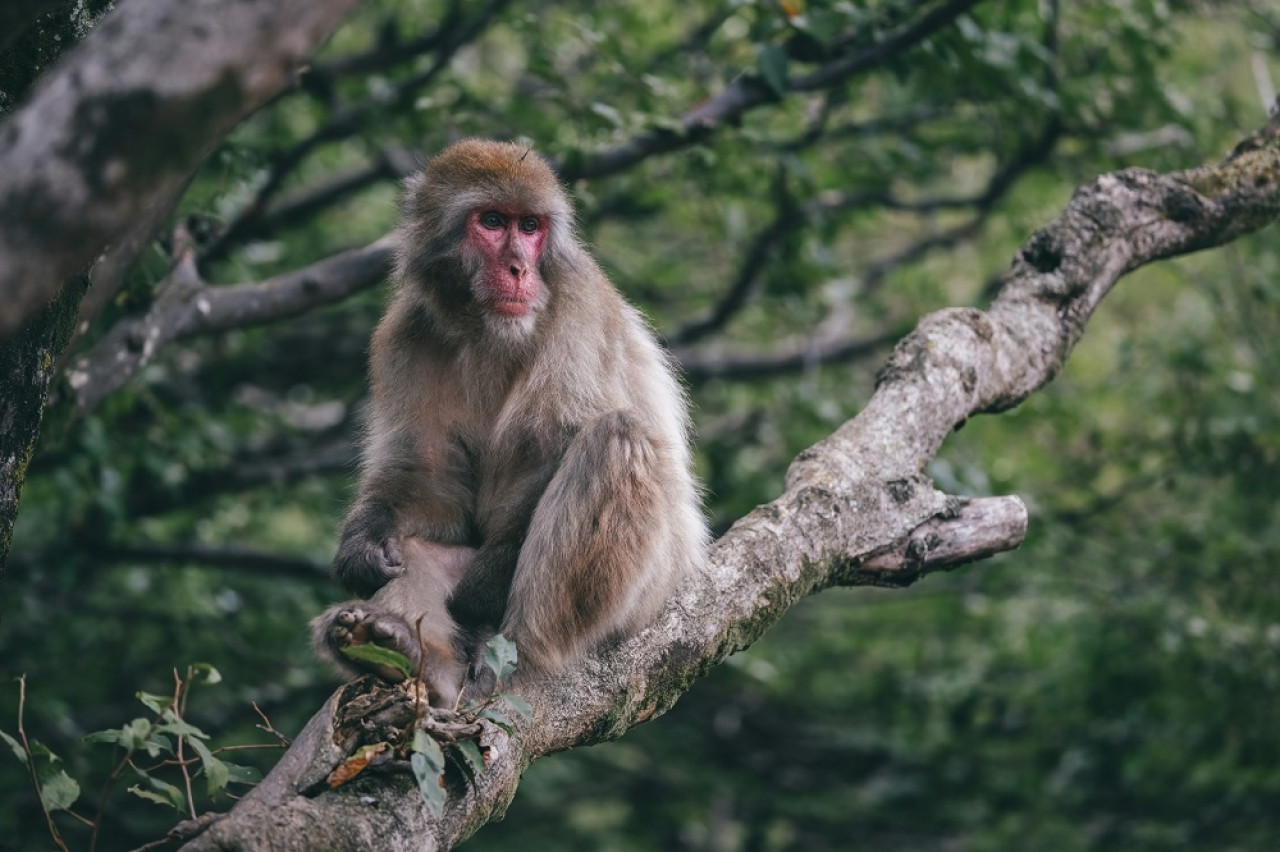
[526, 467]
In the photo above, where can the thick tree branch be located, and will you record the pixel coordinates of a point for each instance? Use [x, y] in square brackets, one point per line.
[185, 306]
[118, 125]
[856, 509]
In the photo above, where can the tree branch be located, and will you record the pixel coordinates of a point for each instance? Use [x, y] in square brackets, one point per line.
[232, 558]
[351, 120]
[700, 368]
[76, 166]
[856, 508]
[747, 92]
[186, 306]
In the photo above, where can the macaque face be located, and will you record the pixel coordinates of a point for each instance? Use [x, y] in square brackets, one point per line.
[504, 247]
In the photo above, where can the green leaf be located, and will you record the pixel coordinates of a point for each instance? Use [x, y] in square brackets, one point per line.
[138, 734]
[376, 654]
[423, 744]
[155, 703]
[133, 737]
[58, 790]
[158, 791]
[242, 774]
[39, 749]
[204, 673]
[772, 65]
[472, 756]
[180, 728]
[18, 750]
[498, 718]
[427, 761]
[216, 772]
[500, 655]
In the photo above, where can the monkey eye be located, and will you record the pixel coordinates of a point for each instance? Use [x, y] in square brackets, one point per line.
[491, 220]
[529, 224]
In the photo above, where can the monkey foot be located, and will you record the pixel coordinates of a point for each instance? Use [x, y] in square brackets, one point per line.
[356, 624]
[428, 651]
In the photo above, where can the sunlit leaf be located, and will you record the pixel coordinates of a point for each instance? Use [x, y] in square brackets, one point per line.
[155, 703]
[376, 654]
[58, 790]
[205, 673]
[161, 792]
[18, 751]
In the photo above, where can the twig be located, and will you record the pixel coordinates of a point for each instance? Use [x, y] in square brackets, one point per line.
[31, 765]
[179, 700]
[268, 727]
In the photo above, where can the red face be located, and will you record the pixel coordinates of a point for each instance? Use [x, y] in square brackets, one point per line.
[508, 244]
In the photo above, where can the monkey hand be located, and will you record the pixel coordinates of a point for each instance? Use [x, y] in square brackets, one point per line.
[369, 553]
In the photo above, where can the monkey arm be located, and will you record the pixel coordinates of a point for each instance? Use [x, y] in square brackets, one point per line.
[368, 549]
[402, 493]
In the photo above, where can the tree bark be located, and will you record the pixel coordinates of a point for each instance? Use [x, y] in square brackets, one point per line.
[856, 509]
[122, 123]
[97, 158]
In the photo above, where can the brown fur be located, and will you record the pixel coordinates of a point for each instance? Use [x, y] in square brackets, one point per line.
[553, 443]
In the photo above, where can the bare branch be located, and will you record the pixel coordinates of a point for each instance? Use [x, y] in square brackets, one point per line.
[791, 217]
[229, 557]
[700, 368]
[185, 306]
[302, 203]
[335, 457]
[970, 529]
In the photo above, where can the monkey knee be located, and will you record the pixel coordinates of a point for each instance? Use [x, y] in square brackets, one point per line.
[616, 451]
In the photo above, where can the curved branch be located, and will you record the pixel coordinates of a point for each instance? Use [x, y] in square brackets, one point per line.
[76, 169]
[856, 507]
[186, 306]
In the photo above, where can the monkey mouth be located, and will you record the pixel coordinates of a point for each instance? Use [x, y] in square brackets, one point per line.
[510, 307]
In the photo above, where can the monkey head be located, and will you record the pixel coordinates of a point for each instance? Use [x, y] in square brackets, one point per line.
[486, 229]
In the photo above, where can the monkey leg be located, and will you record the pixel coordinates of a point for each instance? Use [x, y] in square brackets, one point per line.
[601, 551]
[407, 615]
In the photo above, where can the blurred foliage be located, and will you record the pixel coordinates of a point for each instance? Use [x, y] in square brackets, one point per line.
[1108, 686]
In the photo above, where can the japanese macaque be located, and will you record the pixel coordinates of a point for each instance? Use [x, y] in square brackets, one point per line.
[526, 468]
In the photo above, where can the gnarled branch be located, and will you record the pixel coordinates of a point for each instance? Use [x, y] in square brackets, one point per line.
[856, 508]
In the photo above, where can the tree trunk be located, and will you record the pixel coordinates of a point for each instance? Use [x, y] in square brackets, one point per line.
[98, 157]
